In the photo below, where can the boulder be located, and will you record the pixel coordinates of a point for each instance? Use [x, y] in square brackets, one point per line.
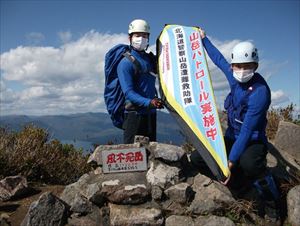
[181, 193]
[162, 175]
[209, 197]
[175, 220]
[166, 152]
[83, 220]
[293, 205]
[156, 192]
[47, 210]
[201, 220]
[81, 205]
[122, 188]
[142, 140]
[72, 190]
[13, 187]
[121, 215]
[4, 220]
[287, 138]
[171, 207]
[144, 198]
[94, 218]
[282, 164]
[93, 194]
[129, 194]
[213, 221]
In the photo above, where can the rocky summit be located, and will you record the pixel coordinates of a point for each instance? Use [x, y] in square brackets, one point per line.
[168, 193]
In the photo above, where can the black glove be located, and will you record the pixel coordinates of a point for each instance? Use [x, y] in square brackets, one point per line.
[156, 103]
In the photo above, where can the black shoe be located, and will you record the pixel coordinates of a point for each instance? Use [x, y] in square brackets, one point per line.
[272, 212]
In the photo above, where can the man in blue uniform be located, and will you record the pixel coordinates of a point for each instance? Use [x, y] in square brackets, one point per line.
[246, 105]
[139, 90]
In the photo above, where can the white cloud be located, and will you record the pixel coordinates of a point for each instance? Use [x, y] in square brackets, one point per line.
[67, 79]
[7, 96]
[65, 36]
[70, 78]
[278, 97]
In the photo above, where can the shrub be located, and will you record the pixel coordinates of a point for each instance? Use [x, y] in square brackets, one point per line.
[31, 154]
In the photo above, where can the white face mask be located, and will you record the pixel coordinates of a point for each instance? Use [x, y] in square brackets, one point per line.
[243, 75]
[139, 43]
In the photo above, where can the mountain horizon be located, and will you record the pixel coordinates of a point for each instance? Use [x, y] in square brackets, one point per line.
[93, 127]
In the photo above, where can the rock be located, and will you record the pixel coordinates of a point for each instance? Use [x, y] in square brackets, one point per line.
[93, 194]
[282, 164]
[111, 183]
[96, 157]
[202, 220]
[81, 205]
[271, 161]
[287, 138]
[13, 187]
[121, 215]
[72, 190]
[94, 218]
[47, 210]
[162, 175]
[86, 186]
[141, 139]
[179, 221]
[181, 193]
[125, 188]
[98, 170]
[213, 221]
[293, 205]
[126, 191]
[209, 196]
[84, 220]
[129, 194]
[173, 208]
[284, 156]
[156, 192]
[4, 220]
[167, 152]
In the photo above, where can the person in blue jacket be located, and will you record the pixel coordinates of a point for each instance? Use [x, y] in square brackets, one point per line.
[246, 105]
[139, 90]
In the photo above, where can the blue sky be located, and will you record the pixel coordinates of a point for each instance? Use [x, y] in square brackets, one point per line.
[52, 52]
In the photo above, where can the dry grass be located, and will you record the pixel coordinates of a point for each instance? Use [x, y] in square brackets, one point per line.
[31, 154]
[285, 186]
[239, 211]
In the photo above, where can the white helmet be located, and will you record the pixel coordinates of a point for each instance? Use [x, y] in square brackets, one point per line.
[244, 52]
[138, 26]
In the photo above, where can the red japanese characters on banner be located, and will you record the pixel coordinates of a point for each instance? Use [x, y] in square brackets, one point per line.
[208, 117]
[123, 160]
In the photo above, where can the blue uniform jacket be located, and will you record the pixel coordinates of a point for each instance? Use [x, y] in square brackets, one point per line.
[256, 93]
[138, 89]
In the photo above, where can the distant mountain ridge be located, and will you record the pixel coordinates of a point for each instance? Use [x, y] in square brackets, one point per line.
[96, 128]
